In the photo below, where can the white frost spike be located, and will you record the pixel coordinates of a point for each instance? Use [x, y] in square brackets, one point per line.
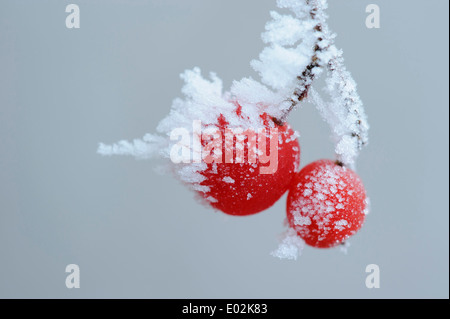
[145, 148]
[291, 246]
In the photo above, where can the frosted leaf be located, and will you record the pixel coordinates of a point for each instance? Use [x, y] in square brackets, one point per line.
[291, 246]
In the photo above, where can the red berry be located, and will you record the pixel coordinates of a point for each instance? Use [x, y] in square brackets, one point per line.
[326, 204]
[241, 189]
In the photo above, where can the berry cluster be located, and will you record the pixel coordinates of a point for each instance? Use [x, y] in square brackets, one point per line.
[244, 175]
[326, 201]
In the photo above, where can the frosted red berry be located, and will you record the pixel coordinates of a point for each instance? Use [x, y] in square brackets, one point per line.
[239, 188]
[326, 204]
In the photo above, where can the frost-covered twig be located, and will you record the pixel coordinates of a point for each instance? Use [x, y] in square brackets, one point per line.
[345, 113]
[355, 122]
[307, 77]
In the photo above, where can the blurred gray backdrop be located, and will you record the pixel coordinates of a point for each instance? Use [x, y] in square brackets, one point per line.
[137, 234]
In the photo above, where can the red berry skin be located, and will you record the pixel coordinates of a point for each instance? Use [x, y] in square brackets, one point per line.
[239, 189]
[326, 204]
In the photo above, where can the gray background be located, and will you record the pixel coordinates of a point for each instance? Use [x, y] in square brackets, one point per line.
[138, 234]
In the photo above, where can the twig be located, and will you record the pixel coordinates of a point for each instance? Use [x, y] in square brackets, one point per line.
[306, 79]
[326, 56]
[351, 100]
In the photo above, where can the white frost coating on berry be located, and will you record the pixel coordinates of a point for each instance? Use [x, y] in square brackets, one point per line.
[315, 203]
[211, 199]
[293, 137]
[340, 224]
[228, 180]
[290, 247]
[300, 220]
[249, 196]
[190, 175]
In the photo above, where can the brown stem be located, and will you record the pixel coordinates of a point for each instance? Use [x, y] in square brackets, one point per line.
[306, 79]
[339, 163]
